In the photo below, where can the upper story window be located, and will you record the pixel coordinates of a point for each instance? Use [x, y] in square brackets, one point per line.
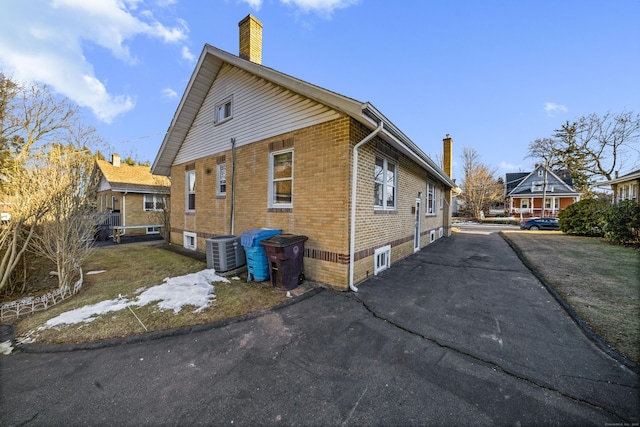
[385, 184]
[281, 179]
[540, 172]
[537, 185]
[221, 184]
[431, 198]
[224, 110]
[153, 202]
[190, 202]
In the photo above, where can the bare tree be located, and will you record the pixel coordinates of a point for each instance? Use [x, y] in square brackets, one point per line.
[163, 215]
[592, 147]
[65, 235]
[41, 139]
[480, 188]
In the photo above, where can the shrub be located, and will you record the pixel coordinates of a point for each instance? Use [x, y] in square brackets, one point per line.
[584, 218]
[623, 222]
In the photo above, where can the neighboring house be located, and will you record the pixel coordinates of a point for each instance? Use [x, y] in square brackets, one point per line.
[524, 192]
[625, 187]
[133, 196]
[250, 147]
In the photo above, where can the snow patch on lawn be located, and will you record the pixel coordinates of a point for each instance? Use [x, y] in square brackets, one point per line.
[175, 293]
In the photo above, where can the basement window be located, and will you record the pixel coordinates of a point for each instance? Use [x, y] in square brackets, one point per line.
[153, 230]
[190, 241]
[382, 259]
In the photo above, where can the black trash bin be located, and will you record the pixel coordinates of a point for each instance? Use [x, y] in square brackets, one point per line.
[285, 253]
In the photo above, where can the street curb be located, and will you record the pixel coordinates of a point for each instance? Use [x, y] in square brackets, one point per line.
[59, 348]
[586, 329]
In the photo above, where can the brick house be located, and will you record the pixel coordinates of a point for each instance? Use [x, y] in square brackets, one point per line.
[250, 147]
[524, 192]
[131, 194]
[625, 187]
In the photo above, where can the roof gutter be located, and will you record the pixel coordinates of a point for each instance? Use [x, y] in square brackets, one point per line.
[395, 135]
[354, 180]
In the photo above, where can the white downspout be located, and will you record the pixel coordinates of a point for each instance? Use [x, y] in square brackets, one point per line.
[354, 180]
[123, 210]
[233, 185]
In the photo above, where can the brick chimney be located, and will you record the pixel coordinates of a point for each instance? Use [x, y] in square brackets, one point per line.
[251, 39]
[115, 160]
[447, 155]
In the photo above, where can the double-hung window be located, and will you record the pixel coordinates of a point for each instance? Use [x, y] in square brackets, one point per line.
[281, 179]
[224, 110]
[548, 201]
[153, 202]
[221, 185]
[190, 190]
[385, 184]
[432, 198]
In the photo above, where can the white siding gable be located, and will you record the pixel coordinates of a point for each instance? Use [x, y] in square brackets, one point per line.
[104, 184]
[260, 110]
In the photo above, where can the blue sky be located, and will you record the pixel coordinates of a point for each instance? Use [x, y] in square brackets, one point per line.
[493, 74]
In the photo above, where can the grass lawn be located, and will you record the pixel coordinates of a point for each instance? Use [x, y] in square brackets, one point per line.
[133, 266]
[600, 281]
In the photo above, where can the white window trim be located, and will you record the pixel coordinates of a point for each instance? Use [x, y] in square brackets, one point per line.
[186, 190]
[381, 263]
[386, 161]
[430, 209]
[156, 198]
[222, 103]
[432, 236]
[524, 202]
[153, 230]
[186, 237]
[219, 191]
[272, 202]
[440, 232]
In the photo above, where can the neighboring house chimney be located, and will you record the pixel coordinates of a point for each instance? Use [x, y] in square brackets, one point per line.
[115, 160]
[251, 39]
[447, 155]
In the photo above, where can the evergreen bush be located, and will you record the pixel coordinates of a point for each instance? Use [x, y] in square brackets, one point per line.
[623, 222]
[584, 218]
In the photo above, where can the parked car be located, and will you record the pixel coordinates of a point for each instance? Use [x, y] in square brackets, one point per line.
[540, 224]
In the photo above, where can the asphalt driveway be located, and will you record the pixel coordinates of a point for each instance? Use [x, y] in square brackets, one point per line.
[460, 333]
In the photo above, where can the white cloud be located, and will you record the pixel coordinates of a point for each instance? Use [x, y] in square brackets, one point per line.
[253, 4]
[186, 54]
[169, 93]
[506, 166]
[322, 7]
[45, 41]
[552, 108]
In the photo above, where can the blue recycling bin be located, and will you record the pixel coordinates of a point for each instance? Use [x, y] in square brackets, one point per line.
[257, 261]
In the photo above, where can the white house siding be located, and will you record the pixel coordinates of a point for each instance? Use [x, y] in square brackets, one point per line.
[104, 185]
[260, 110]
